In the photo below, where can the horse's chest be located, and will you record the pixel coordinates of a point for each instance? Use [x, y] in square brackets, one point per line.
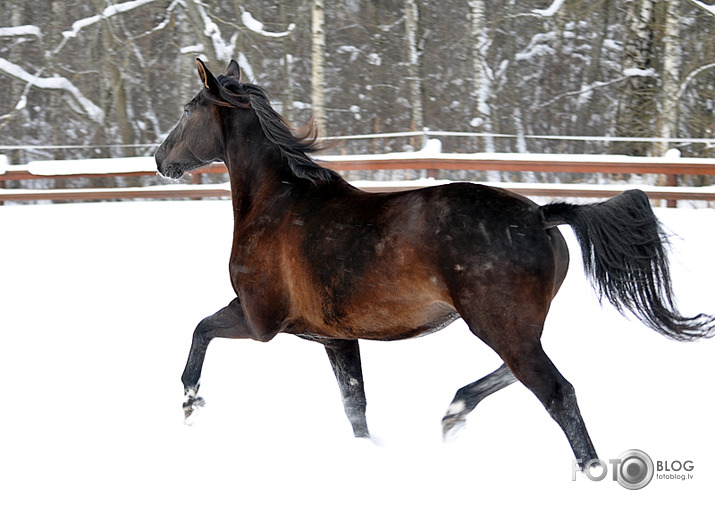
[256, 261]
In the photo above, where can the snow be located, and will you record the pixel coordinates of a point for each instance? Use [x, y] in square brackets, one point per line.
[432, 148]
[672, 154]
[645, 73]
[91, 166]
[98, 304]
[21, 103]
[193, 48]
[250, 22]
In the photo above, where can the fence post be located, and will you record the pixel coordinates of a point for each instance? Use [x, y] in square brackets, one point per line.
[671, 180]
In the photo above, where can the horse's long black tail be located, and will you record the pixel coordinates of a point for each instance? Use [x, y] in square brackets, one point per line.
[625, 256]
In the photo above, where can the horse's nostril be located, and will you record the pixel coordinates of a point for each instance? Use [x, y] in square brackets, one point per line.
[169, 171]
[174, 172]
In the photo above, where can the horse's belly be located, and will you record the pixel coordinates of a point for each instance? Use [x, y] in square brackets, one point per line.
[381, 321]
[432, 319]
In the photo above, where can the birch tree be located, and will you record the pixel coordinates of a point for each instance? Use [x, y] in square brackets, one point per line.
[412, 19]
[637, 106]
[317, 94]
[481, 73]
[667, 121]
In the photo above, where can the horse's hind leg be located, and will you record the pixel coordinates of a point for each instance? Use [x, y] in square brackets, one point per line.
[344, 358]
[468, 397]
[538, 373]
[510, 321]
[230, 323]
[527, 361]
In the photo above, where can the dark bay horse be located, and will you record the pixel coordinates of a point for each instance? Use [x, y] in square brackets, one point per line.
[318, 258]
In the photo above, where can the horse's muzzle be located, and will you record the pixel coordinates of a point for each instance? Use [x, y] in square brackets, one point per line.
[171, 171]
[166, 169]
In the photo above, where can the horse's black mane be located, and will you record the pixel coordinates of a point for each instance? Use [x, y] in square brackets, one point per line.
[293, 148]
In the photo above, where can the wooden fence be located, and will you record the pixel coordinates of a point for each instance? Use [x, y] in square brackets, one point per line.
[431, 165]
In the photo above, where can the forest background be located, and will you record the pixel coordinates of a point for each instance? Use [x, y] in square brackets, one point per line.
[91, 78]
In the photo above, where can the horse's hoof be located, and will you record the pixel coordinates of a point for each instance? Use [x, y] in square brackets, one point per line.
[191, 406]
[361, 433]
[452, 426]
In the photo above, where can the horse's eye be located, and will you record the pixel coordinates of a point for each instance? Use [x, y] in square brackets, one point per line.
[187, 112]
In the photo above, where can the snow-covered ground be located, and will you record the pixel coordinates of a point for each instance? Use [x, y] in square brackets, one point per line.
[97, 306]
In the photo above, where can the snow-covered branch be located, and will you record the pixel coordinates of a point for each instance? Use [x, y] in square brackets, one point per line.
[21, 31]
[162, 24]
[691, 76]
[707, 8]
[551, 10]
[56, 83]
[223, 50]
[584, 90]
[110, 11]
[256, 26]
[540, 45]
[106, 13]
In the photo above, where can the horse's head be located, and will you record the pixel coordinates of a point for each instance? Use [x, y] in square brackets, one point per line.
[228, 116]
[197, 139]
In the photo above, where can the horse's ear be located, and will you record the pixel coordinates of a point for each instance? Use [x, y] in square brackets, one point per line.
[234, 70]
[206, 77]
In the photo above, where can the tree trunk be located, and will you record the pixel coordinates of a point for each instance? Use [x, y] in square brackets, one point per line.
[115, 86]
[412, 18]
[636, 109]
[670, 77]
[287, 92]
[318, 66]
[482, 82]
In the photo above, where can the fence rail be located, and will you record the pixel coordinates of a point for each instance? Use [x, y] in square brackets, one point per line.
[431, 163]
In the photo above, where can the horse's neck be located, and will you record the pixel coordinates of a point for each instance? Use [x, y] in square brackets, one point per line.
[253, 180]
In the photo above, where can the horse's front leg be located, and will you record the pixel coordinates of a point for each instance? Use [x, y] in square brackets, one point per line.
[344, 357]
[229, 322]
